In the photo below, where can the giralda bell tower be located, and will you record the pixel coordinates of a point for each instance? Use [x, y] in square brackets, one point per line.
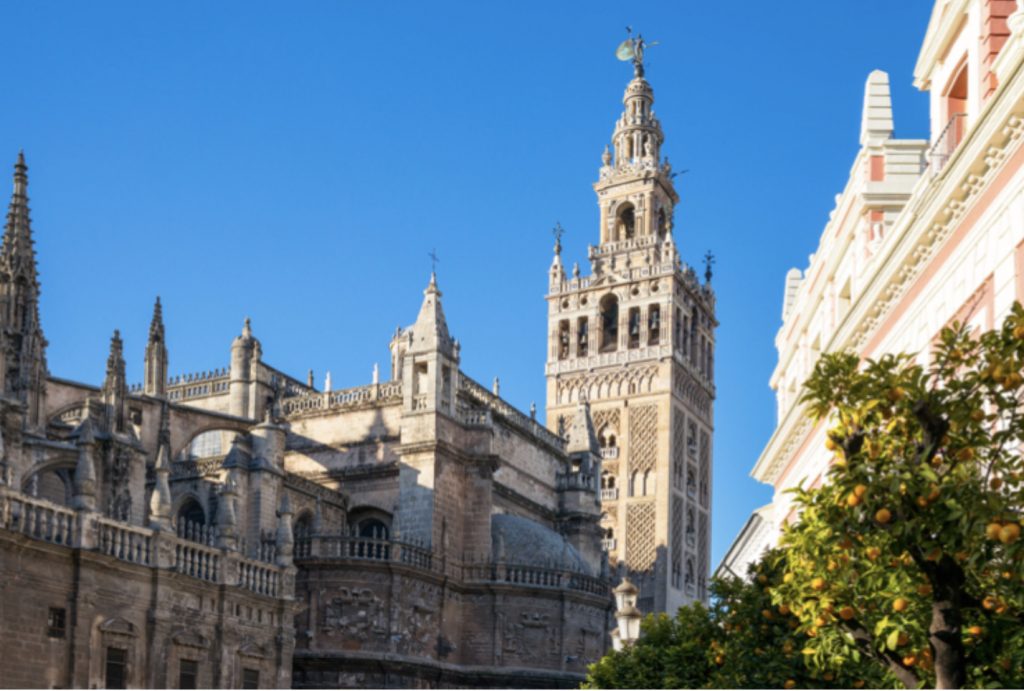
[635, 339]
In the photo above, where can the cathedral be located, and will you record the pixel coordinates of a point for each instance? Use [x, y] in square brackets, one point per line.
[240, 528]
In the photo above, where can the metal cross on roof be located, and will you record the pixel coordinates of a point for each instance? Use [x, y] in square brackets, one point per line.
[558, 231]
[433, 260]
[709, 260]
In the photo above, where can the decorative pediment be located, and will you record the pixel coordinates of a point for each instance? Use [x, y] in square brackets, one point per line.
[251, 649]
[190, 639]
[119, 627]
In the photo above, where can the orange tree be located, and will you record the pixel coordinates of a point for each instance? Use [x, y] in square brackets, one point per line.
[908, 557]
[741, 641]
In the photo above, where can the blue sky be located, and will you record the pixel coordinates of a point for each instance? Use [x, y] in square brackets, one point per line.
[295, 162]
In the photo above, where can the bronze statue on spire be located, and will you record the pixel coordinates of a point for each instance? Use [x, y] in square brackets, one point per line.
[633, 49]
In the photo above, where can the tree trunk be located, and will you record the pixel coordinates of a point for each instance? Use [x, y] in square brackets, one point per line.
[946, 643]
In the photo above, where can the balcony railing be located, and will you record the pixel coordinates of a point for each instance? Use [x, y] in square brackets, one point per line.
[610, 453]
[610, 494]
[946, 143]
[608, 544]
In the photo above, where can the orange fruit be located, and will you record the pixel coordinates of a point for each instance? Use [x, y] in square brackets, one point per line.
[992, 530]
[995, 483]
[975, 630]
[852, 500]
[990, 602]
[909, 660]
[846, 613]
[790, 684]
[883, 516]
[924, 589]
[830, 444]
[783, 610]
[818, 583]
[860, 490]
[900, 604]
[1009, 533]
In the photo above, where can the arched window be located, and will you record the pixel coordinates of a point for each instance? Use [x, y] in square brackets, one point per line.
[662, 223]
[192, 512]
[373, 528]
[649, 480]
[52, 485]
[609, 323]
[625, 223]
[635, 485]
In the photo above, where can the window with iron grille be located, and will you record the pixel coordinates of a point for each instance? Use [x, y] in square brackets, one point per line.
[188, 671]
[117, 662]
[250, 678]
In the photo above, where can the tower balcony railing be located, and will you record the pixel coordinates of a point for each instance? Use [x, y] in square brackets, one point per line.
[609, 453]
[946, 143]
[608, 544]
[609, 494]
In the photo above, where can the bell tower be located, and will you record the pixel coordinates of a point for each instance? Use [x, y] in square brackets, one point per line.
[635, 339]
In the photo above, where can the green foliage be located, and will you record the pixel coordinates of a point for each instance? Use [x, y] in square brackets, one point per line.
[890, 562]
[905, 565]
[741, 641]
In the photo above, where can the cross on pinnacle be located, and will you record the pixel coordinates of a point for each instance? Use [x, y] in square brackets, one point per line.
[433, 260]
[558, 231]
[709, 260]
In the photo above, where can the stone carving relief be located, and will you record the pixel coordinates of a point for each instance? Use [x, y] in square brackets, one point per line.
[528, 635]
[356, 613]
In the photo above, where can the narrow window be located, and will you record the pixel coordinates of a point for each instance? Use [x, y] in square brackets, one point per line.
[634, 327]
[250, 678]
[117, 660]
[609, 323]
[188, 673]
[653, 325]
[581, 337]
[678, 330]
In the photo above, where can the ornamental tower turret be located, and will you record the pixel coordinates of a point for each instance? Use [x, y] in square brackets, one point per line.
[635, 339]
[22, 345]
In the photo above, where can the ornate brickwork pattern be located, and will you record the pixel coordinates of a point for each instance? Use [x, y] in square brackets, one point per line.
[643, 438]
[678, 449]
[705, 468]
[609, 416]
[702, 556]
[640, 552]
[677, 540]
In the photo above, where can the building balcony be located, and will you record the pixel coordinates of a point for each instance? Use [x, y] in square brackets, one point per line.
[610, 453]
[610, 494]
[946, 143]
[608, 544]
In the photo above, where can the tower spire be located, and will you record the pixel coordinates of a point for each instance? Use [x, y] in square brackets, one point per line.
[23, 347]
[155, 375]
[115, 388]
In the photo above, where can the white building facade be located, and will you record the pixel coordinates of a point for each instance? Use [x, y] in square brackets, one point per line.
[926, 232]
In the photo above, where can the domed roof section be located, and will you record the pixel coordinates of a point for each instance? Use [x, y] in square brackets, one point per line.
[518, 540]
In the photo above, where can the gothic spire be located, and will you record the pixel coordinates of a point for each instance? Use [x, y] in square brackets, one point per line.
[155, 374]
[115, 388]
[431, 330]
[18, 253]
[22, 345]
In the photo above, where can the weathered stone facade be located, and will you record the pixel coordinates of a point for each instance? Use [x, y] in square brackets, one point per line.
[636, 339]
[240, 528]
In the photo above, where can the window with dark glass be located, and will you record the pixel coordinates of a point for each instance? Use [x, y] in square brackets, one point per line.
[117, 662]
[56, 622]
[188, 673]
[250, 678]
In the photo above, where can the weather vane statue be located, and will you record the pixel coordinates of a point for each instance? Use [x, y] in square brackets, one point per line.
[633, 49]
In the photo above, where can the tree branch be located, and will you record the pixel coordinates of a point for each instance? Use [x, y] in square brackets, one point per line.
[892, 661]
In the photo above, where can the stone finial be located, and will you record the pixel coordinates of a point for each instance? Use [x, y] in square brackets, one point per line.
[327, 382]
[285, 539]
[876, 121]
[160, 499]
[533, 410]
[309, 379]
[376, 374]
[496, 387]
[430, 332]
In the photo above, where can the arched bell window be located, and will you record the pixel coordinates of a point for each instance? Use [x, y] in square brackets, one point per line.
[625, 223]
[609, 323]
